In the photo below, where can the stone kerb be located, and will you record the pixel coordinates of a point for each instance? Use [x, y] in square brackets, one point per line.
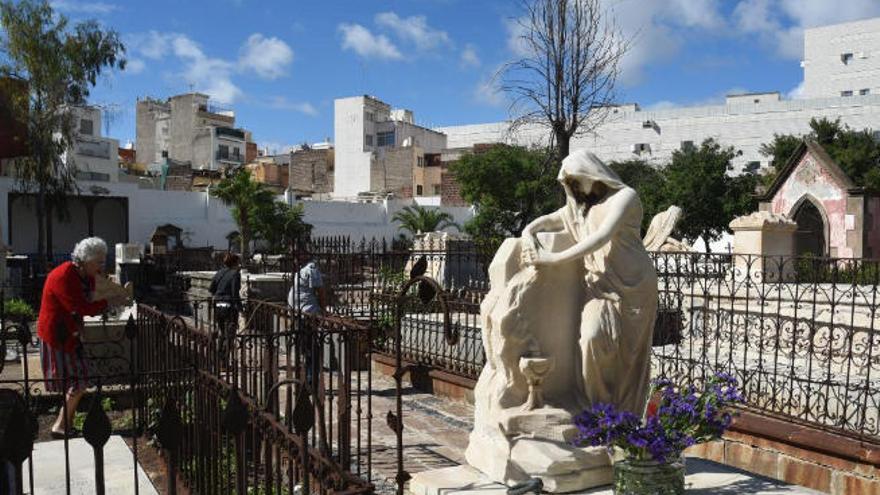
[764, 247]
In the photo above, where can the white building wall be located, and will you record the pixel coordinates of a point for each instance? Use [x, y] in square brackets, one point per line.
[93, 153]
[206, 221]
[828, 68]
[352, 159]
[745, 126]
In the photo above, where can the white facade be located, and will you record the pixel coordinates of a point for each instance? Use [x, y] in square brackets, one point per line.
[364, 128]
[94, 157]
[842, 59]
[205, 220]
[744, 121]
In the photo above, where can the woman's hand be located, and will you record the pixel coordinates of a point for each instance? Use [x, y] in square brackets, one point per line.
[537, 257]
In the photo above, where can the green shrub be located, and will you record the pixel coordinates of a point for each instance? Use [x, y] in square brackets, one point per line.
[18, 309]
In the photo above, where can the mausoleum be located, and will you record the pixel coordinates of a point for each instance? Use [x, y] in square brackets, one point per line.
[834, 216]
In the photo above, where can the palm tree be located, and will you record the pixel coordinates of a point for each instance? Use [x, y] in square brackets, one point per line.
[416, 219]
[244, 196]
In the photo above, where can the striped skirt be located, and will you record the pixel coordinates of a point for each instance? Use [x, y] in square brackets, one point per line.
[60, 367]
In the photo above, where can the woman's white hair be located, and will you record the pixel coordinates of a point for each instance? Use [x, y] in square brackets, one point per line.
[89, 249]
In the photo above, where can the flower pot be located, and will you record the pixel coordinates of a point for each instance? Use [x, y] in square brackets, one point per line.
[637, 477]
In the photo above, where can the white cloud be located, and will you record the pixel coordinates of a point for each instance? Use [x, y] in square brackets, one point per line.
[134, 66]
[469, 57]
[282, 103]
[796, 92]
[413, 29]
[652, 27]
[76, 7]
[269, 58]
[655, 30]
[781, 23]
[366, 44]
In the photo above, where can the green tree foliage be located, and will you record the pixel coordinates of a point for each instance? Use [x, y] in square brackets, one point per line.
[648, 181]
[280, 225]
[856, 152]
[510, 186]
[246, 199]
[697, 179]
[48, 66]
[416, 218]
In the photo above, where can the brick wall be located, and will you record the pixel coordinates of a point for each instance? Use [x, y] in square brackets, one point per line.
[450, 191]
[796, 454]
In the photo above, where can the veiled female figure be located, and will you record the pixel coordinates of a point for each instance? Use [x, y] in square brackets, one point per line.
[603, 217]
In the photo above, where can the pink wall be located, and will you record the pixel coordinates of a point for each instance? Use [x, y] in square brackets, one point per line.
[872, 240]
[809, 177]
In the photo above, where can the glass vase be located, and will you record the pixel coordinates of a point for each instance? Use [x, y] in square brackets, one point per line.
[640, 477]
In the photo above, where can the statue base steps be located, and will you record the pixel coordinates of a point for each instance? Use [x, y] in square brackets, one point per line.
[465, 480]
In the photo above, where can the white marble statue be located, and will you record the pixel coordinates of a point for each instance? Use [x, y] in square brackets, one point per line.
[659, 235]
[567, 323]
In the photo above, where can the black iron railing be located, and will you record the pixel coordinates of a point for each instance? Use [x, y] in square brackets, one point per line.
[280, 404]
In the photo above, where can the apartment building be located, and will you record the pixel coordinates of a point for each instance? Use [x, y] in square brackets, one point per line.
[187, 128]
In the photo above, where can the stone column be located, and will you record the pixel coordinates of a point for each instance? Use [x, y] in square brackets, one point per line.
[764, 247]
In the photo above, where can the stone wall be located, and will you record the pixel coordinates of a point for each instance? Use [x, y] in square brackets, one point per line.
[311, 172]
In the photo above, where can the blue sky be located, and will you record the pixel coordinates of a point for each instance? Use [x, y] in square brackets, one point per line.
[280, 64]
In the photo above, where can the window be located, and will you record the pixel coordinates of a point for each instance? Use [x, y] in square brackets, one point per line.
[419, 190]
[687, 144]
[864, 92]
[437, 189]
[385, 139]
[640, 148]
[846, 58]
[223, 152]
[236, 152]
[370, 117]
[420, 161]
[164, 153]
[368, 139]
[846, 93]
[86, 127]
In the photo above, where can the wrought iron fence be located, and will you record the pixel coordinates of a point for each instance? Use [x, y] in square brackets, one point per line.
[282, 406]
[800, 334]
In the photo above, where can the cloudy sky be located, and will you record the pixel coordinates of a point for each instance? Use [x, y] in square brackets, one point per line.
[279, 64]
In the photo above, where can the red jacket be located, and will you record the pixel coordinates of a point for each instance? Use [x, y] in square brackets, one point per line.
[63, 296]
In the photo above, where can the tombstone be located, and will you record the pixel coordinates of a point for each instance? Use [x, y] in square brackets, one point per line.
[764, 247]
[450, 257]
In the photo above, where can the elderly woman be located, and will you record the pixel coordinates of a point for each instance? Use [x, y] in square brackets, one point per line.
[67, 298]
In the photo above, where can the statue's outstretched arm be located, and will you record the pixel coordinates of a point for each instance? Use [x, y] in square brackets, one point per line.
[550, 222]
[619, 203]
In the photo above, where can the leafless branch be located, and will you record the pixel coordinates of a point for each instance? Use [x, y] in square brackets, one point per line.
[566, 77]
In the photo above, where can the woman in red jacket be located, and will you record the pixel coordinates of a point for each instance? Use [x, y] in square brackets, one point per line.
[67, 297]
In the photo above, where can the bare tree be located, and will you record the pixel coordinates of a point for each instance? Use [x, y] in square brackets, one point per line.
[565, 79]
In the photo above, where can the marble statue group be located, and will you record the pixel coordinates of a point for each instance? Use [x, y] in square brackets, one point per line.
[567, 323]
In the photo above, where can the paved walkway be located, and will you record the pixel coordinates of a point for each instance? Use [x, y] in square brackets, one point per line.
[48, 460]
[436, 435]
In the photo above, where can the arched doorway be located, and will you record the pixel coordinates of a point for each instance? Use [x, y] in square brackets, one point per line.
[810, 238]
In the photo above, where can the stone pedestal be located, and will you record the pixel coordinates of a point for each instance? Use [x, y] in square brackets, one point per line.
[764, 247]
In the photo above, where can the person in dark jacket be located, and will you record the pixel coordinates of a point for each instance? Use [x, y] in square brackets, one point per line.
[225, 288]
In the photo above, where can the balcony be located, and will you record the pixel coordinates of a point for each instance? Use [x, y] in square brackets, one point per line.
[96, 149]
[230, 132]
[227, 157]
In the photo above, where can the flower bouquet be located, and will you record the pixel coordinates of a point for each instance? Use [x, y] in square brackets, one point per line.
[652, 447]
